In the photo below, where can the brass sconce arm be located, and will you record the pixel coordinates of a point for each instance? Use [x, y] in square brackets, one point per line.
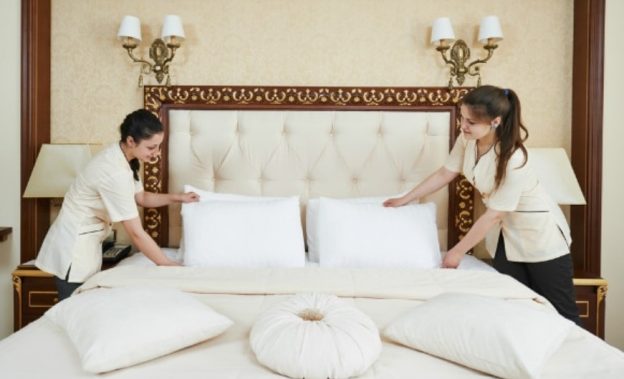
[474, 69]
[442, 50]
[458, 61]
[161, 54]
[135, 59]
[455, 69]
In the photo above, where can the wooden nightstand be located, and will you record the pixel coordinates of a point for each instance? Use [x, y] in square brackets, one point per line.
[34, 293]
[590, 299]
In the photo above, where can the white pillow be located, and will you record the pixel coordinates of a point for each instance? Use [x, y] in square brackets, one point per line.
[312, 221]
[488, 334]
[315, 336]
[243, 233]
[120, 327]
[205, 195]
[370, 235]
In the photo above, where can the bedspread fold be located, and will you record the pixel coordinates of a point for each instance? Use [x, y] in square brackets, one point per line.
[406, 284]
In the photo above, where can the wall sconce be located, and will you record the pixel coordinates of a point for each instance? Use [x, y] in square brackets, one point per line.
[442, 34]
[162, 49]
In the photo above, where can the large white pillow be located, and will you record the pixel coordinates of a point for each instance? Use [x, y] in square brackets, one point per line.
[205, 195]
[243, 233]
[315, 336]
[488, 334]
[370, 235]
[120, 327]
[312, 221]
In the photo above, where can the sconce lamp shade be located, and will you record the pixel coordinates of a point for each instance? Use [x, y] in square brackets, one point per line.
[172, 27]
[490, 29]
[130, 27]
[442, 30]
[55, 170]
[554, 171]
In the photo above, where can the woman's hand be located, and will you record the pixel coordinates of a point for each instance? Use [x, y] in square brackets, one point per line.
[144, 243]
[452, 259]
[188, 197]
[170, 262]
[395, 202]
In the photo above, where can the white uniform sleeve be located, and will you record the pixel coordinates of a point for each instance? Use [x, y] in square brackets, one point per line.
[507, 196]
[455, 160]
[117, 193]
[138, 186]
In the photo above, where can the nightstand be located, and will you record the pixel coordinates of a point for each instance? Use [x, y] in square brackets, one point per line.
[34, 293]
[591, 292]
[590, 299]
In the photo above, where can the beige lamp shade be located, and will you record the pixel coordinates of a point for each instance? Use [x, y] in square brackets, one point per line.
[554, 171]
[55, 169]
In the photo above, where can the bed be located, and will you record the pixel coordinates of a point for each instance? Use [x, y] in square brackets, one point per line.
[312, 142]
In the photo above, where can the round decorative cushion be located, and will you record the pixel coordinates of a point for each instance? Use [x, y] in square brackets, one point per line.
[315, 336]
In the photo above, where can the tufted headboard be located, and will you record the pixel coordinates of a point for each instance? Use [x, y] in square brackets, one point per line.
[306, 141]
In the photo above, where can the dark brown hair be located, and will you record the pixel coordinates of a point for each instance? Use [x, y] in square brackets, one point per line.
[489, 102]
[140, 125]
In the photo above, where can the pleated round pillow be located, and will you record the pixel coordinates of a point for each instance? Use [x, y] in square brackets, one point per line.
[315, 336]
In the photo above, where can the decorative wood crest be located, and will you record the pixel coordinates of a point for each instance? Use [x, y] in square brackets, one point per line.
[158, 99]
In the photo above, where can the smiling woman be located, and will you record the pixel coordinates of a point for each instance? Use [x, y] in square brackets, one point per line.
[106, 191]
[525, 231]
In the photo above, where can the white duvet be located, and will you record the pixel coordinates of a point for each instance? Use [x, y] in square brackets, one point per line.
[41, 350]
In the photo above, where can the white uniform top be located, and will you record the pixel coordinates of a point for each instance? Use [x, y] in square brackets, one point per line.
[534, 229]
[101, 194]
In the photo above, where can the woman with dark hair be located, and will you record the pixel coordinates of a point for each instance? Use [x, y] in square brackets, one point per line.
[106, 191]
[524, 229]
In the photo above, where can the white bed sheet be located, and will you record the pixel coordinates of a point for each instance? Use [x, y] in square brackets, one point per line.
[42, 350]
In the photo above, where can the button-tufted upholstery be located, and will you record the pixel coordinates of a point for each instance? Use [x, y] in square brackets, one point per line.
[307, 153]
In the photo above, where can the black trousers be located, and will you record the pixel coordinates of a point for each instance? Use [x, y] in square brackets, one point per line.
[65, 288]
[551, 279]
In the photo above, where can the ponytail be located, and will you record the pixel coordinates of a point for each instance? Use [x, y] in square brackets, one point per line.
[489, 102]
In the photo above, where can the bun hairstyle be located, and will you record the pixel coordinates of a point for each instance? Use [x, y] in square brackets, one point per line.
[488, 102]
[140, 125]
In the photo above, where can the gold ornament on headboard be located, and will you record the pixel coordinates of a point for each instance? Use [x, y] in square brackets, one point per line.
[162, 49]
[442, 34]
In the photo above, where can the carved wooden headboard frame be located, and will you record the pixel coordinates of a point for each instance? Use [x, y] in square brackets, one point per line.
[159, 99]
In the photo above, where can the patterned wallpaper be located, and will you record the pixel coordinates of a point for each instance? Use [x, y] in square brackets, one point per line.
[305, 42]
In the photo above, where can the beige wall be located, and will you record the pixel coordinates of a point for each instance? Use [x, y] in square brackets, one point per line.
[612, 179]
[320, 42]
[9, 155]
